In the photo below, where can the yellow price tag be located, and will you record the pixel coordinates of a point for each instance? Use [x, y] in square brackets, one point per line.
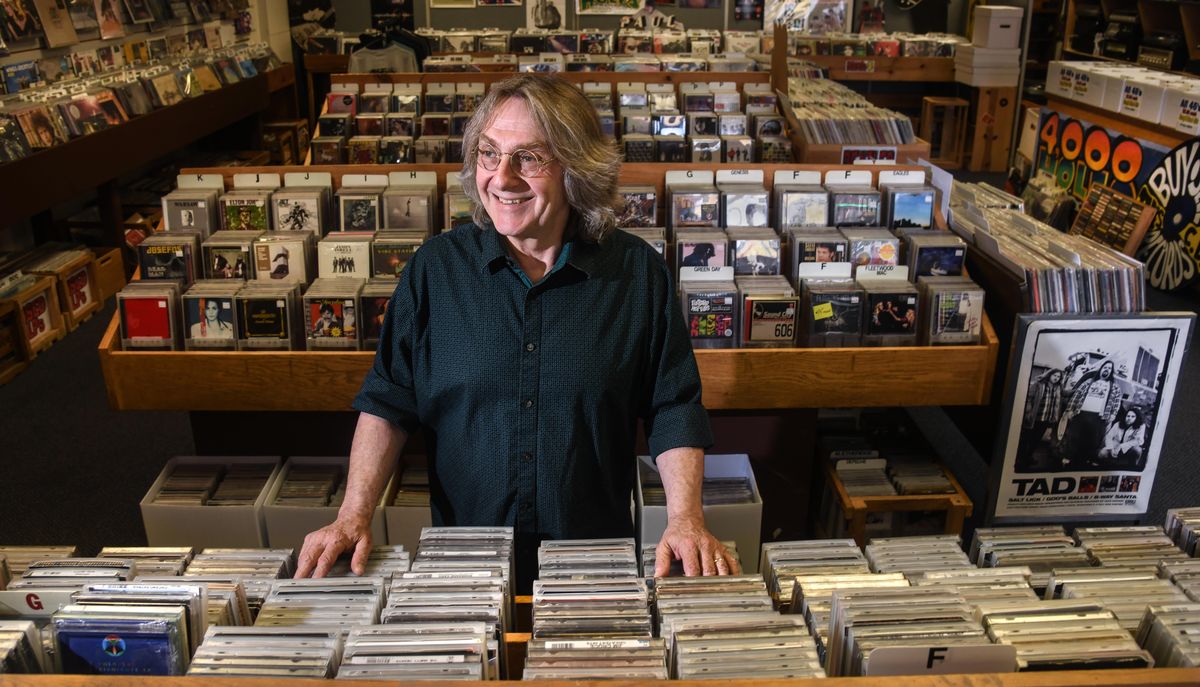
[823, 311]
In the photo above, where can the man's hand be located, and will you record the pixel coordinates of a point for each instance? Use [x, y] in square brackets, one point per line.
[322, 548]
[688, 540]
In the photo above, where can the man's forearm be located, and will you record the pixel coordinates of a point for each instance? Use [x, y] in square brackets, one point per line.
[373, 454]
[682, 471]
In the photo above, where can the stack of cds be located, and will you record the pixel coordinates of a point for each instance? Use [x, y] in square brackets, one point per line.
[416, 651]
[19, 557]
[1126, 594]
[759, 645]
[595, 608]
[1183, 527]
[782, 562]
[225, 596]
[862, 620]
[709, 596]
[1144, 545]
[1041, 548]
[121, 595]
[414, 487]
[980, 586]
[268, 652]
[307, 484]
[714, 490]
[153, 560]
[643, 658]
[21, 647]
[214, 484]
[73, 572]
[339, 602]
[1168, 632]
[865, 478]
[383, 561]
[812, 597]
[911, 555]
[256, 569]
[465, 549]
[578, 559]
[1185, 574]
[1063, 634]
[918, 474]
[842, 125]
[121, 640]
[414, 598]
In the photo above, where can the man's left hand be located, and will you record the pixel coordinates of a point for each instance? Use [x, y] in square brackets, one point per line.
[688, 540]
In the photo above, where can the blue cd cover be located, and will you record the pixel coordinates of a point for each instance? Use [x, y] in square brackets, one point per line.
[119, 647]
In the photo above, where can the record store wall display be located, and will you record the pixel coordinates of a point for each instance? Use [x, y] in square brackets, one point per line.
[1090, 398]
[1078, 153]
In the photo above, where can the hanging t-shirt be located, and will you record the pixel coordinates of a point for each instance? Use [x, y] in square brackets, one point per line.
[393, 58]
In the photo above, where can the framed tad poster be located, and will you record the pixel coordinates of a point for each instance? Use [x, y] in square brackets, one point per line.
[1090, 397]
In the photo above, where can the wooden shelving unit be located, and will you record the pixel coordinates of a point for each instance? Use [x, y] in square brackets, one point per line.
[957, 506]
[922, 69]
[733, 379]
[93, 163]
[1155, 15]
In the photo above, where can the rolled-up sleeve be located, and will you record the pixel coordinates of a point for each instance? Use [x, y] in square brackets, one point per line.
[388, 390]
[674, 416]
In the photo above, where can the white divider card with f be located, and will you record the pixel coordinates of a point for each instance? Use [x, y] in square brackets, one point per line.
[848, 177]
[798, 177]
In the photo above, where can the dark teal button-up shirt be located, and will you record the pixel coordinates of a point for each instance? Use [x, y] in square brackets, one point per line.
[529, 395]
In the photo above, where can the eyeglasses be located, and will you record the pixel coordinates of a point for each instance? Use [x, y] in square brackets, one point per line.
[523, 162]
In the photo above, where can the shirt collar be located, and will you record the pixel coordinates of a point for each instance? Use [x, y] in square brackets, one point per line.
[583, 255]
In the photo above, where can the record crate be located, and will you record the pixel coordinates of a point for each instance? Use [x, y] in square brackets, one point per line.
[110, 273]
[12, 358]
[856, 510]
[77, 286]
[202, 526]
[36, 303]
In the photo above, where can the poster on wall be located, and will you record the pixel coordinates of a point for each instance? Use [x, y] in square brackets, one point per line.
[607, 6]
[1078, 153]
[1090, 399]
[545, 14]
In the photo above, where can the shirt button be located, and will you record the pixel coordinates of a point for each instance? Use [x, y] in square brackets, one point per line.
[528, 403]
[527, 456]
[531, 347]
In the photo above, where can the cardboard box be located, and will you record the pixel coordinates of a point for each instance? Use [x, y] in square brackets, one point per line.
[1181, 110]
[741, 522]
[997, 26]
[1060, 77]
[987, 78]
[404, 523]
[1088, 87]
[207, 526]
[1142, 98]
[288, 525]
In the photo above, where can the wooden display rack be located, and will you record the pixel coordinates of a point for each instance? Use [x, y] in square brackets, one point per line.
[733, 379]
[110, 273]
[76, 280]
[957, 506]
[38, 303]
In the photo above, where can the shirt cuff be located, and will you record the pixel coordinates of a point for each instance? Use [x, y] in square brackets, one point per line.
[679, 426]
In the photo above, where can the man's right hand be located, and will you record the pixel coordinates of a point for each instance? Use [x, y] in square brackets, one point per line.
[322, 548]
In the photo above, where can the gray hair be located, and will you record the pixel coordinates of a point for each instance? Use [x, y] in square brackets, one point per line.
[573, 137]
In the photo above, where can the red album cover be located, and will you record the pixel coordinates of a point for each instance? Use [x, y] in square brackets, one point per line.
[146, 317]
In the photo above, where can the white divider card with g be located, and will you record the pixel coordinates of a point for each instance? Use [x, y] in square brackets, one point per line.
[686, 177]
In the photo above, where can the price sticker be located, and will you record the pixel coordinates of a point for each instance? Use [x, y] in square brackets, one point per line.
[823, 311]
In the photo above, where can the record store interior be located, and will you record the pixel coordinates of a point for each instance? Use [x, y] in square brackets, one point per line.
[394, 340]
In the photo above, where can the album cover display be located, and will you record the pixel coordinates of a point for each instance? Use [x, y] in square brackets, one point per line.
[373, 303]
[245, 210]
[892, 313]
[832, 313]
[770, 311]
[229, 255]
[395, 150]
[935, 254]
[410, 208]
[755, 252]
[802, 206]
[391, 251]
[698, 207]
[267, 315]
[284, 256]
[909, 207]
[301, 209]
[328, 150]
[148, 313]
[640, 206]
[359, 208]
[872, 247]
[745, 207]
[710, 311]
[854, 207]
[330, 312]
[170, 255]
[706, 149]
[701, 249]
[210, 315]
[342, 254]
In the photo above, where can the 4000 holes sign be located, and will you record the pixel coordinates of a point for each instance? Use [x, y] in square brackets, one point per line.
[1078, 153]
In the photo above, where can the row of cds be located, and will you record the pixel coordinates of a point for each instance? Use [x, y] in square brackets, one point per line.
[306, 207]
[55, 116]
[554, 61]
[874, 44]
[829, 113]
[588, 41]
[1063, 273]
[218, 315]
